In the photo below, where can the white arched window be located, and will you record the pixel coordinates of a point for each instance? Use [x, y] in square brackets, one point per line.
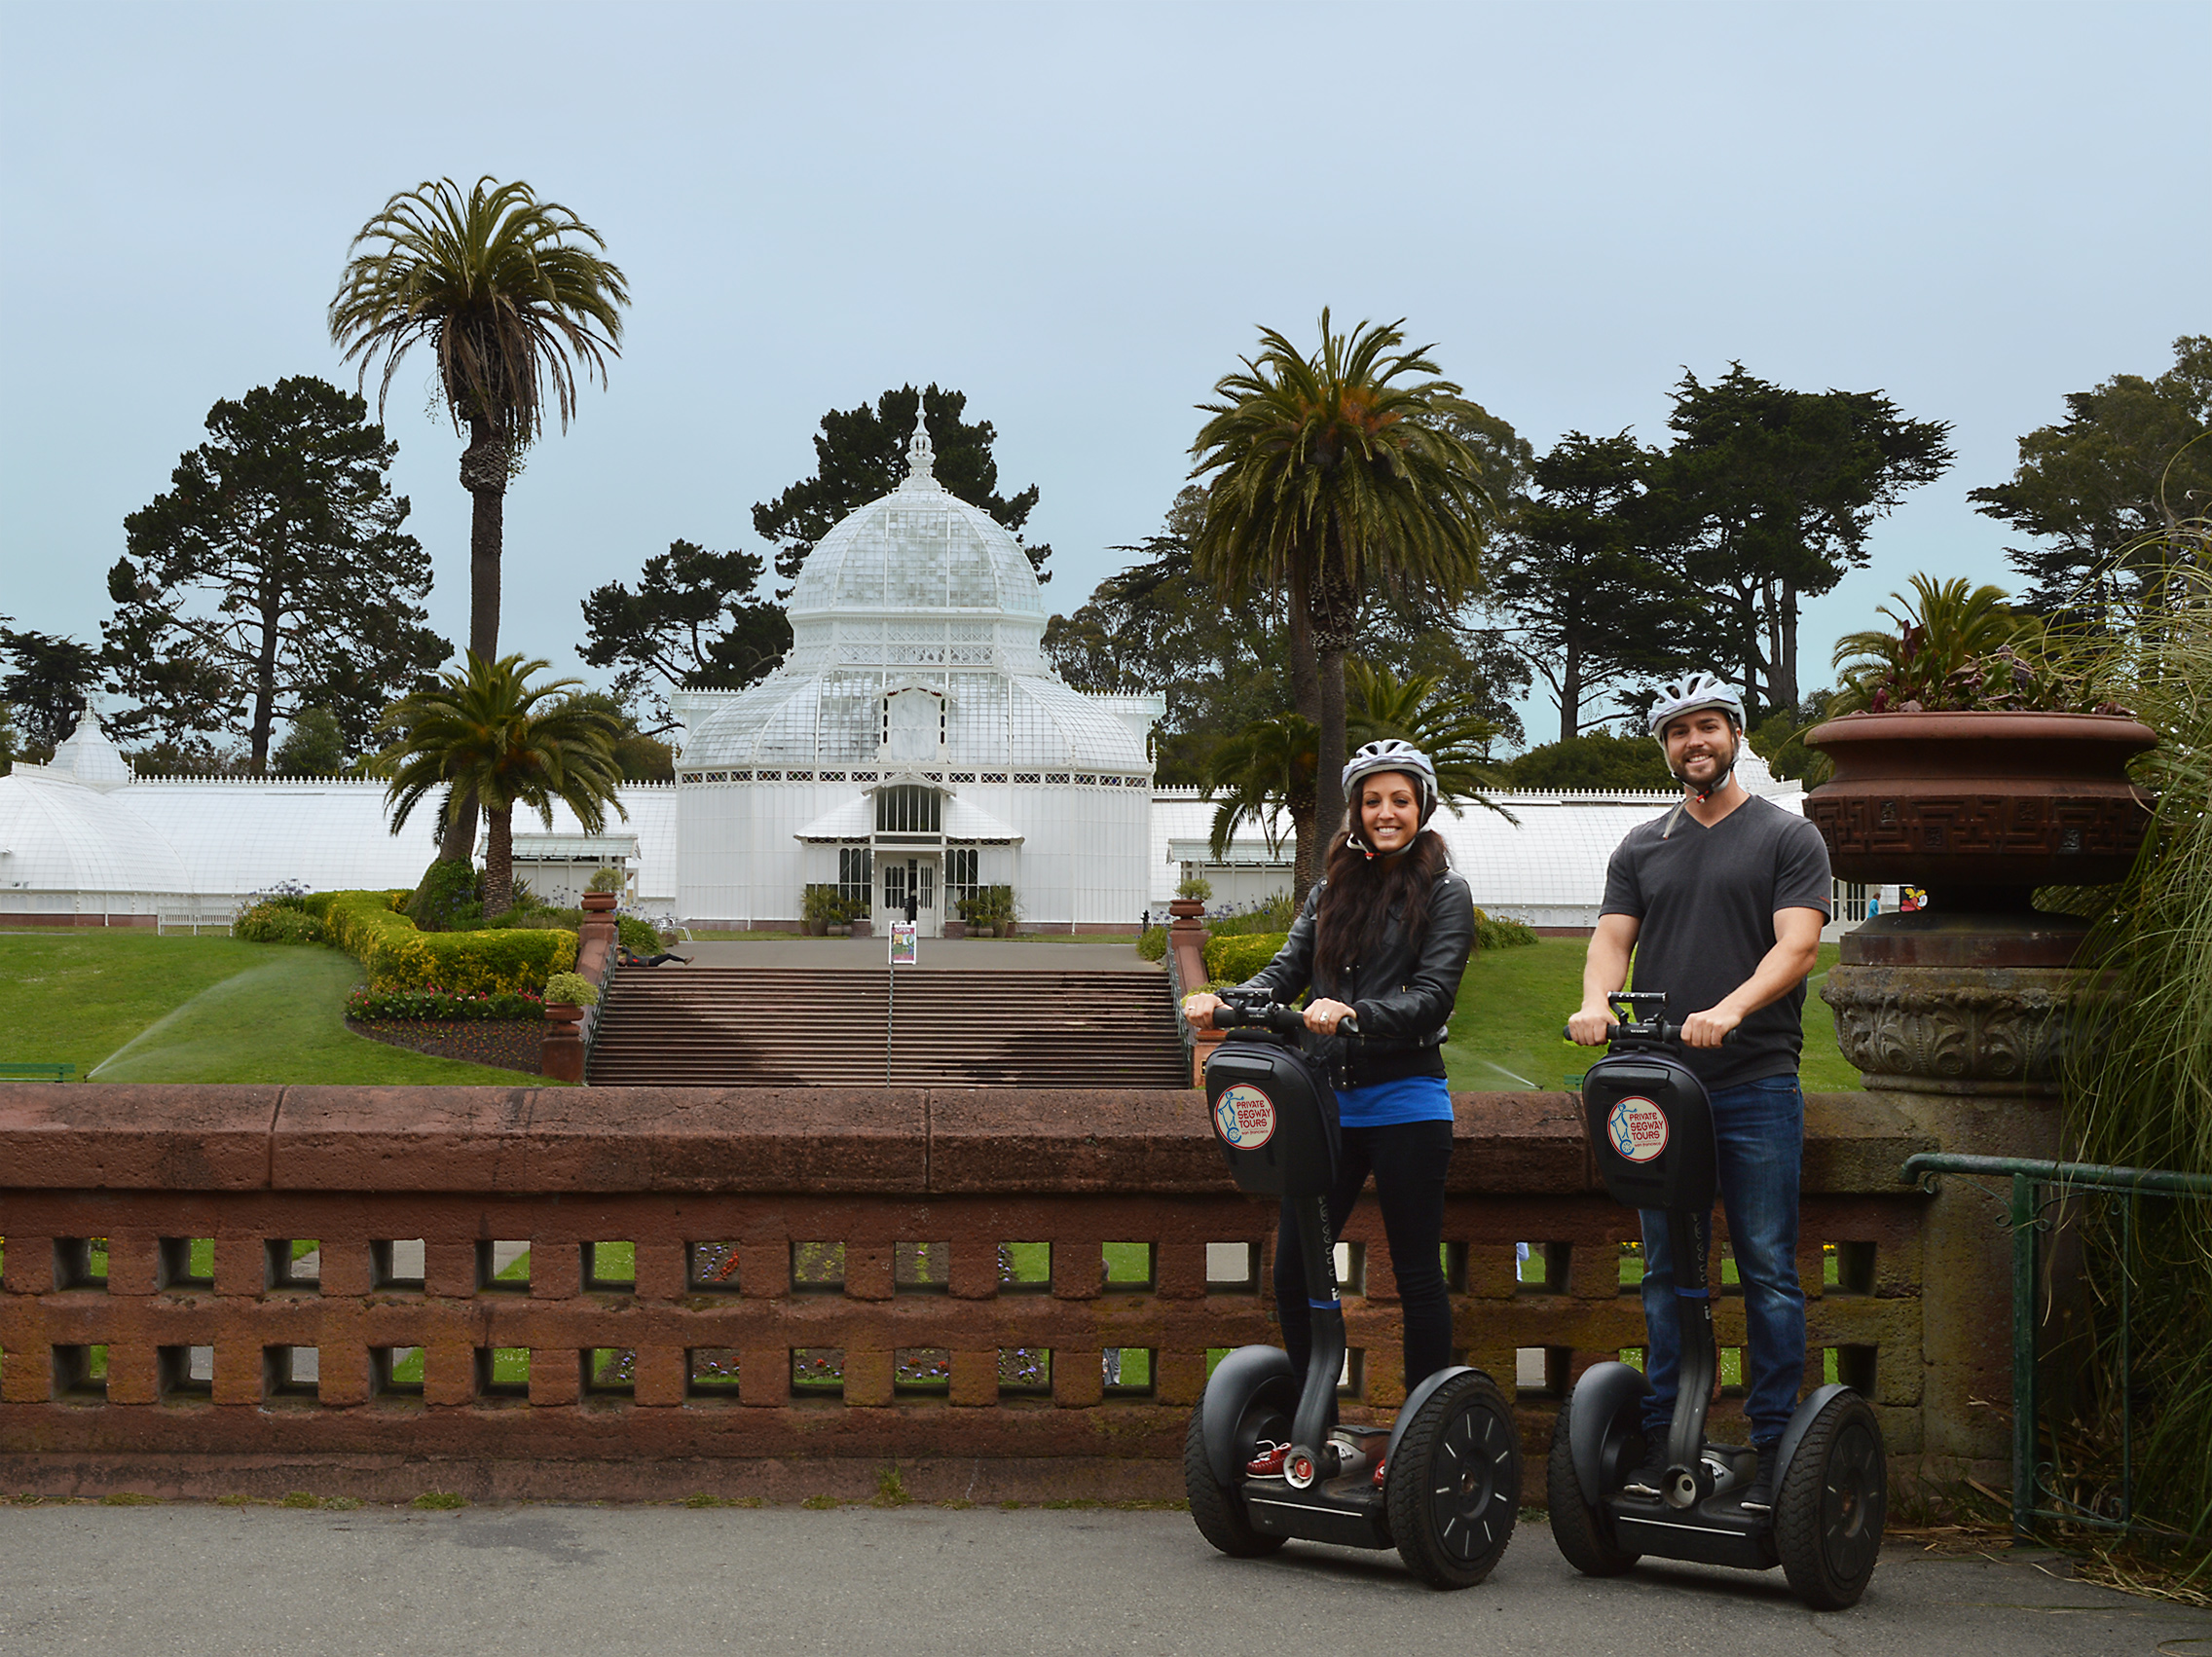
[907, 808]
[913, 727]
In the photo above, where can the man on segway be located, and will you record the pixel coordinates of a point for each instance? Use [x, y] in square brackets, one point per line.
[1723, 901]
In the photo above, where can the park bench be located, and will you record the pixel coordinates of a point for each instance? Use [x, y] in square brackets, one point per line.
[37, 1072]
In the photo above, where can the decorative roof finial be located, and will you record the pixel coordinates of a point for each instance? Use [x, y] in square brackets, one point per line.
[921, 454]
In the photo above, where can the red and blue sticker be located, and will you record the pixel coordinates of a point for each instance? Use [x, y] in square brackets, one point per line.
[1637, 1127]
[1244, 1117]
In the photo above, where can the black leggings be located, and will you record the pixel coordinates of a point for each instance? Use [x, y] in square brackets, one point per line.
[1409, 1160]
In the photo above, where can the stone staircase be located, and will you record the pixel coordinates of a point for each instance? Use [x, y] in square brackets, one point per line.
[799, 1027]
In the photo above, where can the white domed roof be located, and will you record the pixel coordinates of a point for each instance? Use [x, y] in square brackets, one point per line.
[920, 549]
[59, 835]
[91, 757]
[916, 589]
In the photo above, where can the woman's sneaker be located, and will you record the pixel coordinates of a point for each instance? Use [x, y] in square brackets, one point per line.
[1267, 1465]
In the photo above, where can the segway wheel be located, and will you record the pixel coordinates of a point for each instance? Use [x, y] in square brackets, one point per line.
[1828, 1514]
[1455, 1484]
[1218, 1514]
[1584, 1534]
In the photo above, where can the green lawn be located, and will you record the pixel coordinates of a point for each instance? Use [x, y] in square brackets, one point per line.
[149, 1009]
[1506, 1032]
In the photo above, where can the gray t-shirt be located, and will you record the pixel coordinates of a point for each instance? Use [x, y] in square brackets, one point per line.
[1706, 899]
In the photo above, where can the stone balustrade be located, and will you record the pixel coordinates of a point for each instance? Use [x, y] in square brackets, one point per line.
[818, 1286]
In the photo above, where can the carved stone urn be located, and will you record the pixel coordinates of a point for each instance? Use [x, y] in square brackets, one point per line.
[1981, 807]
[1964, 1013]
[1976, 993]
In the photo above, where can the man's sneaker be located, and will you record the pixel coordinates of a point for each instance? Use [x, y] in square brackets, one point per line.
[1267, 1465]
[1758, 1494]
[1650, 1479]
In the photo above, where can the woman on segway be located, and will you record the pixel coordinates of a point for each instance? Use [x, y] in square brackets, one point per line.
[1385, 937]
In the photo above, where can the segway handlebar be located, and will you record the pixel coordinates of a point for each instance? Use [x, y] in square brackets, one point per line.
[1252, 1013]
[1649, 1031]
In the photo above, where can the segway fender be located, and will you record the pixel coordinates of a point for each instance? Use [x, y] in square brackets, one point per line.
[1801, 1421]
[1419, 1396]
[1600, 1397]
[1230, 1386]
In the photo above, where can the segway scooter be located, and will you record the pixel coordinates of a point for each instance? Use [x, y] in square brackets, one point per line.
[1650, 1126]
[1451, 1462]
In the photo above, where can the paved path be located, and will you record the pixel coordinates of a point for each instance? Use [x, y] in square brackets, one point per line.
[867, 954]
[925, 1582]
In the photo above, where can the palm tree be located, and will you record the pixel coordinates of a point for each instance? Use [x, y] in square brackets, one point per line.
[1337, 475]
[510, 293]
[486, 731]
[1952, 625]
[1262, 773]
[1441, 725]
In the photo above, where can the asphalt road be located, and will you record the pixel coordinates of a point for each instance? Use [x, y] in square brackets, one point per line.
[377, 1582]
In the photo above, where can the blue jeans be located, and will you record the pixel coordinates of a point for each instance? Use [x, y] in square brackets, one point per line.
[1760, 1129]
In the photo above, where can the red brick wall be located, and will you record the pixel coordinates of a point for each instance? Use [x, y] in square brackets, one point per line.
[968, 1169]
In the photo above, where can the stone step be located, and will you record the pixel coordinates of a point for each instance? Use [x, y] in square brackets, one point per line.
[740, 1026]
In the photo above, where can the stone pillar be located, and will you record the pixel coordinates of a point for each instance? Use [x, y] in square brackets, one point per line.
[563, 1050]
[1964, 1020]
[1187, 938]
[595, 937]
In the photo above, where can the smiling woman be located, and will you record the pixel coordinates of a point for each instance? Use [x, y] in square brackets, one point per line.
[135, 1007]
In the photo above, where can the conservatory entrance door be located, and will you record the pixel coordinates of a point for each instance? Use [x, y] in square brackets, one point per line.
[913, 875]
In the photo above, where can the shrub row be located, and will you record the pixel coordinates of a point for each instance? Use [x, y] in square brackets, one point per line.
[1234, 957]
[368, 927]
[277, 920]
[1491, 933]
[638, 936]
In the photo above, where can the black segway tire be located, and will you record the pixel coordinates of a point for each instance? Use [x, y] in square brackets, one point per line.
[1218, 1514]
[1584, 1534]
[1455, 1484]
[1833, 1501]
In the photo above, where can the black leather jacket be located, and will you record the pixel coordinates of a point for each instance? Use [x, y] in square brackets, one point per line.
[1404, 1002]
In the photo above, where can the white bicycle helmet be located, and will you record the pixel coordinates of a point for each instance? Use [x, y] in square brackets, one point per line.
[1699, 691]
[1693, 695]
[1390, 754]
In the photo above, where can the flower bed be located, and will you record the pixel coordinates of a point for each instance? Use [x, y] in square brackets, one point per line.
[505, 1043]
[444, 1005]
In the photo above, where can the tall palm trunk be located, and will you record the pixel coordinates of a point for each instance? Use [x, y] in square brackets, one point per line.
[1306, 845]
[1334, 601]
[1328, 780]
[1305, 696]
[498, 861]
[484, 474]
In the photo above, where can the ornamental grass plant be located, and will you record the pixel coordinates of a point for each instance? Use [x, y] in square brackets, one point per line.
[2143, 1096]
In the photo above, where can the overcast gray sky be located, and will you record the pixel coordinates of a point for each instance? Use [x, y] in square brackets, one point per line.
[1080, 216]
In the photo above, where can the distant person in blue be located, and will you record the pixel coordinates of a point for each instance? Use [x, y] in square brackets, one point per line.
[1723, 901]
[1384, 936]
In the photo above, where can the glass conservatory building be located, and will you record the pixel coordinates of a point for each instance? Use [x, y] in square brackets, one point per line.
[915, 743]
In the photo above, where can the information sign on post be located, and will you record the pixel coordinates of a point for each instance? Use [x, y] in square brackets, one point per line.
[905, 951]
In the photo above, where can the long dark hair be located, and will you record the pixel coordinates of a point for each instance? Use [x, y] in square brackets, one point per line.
[1354, 914]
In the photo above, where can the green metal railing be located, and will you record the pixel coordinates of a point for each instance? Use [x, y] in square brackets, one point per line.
[2031, 1180]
